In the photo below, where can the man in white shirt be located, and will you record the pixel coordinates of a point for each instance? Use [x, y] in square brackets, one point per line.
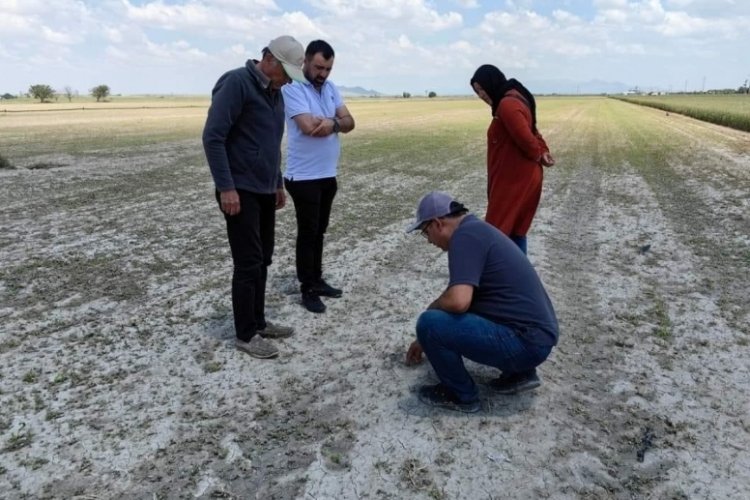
[315, 115]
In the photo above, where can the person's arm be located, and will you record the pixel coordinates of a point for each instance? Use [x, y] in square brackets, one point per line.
[514, 115]
[342, 121]
[455, 299]
[307, 123]
[226, 106]
[546, 160]
[345, 119]
[297, 108]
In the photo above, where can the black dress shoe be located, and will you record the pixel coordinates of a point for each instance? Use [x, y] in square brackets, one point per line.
[323, 289]
[312, 302]
[516, 383]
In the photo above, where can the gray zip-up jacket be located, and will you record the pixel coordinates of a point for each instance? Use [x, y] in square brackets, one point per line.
[243, 132]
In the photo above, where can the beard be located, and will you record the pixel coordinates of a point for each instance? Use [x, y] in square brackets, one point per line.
[317, 82]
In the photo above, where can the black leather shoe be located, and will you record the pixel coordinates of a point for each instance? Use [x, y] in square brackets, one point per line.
[323, 289]
[312, 302]
[516, 383]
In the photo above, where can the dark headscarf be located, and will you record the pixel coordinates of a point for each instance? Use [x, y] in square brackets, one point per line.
[494, 83]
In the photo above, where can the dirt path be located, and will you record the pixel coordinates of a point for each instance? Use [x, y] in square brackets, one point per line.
[119, 377]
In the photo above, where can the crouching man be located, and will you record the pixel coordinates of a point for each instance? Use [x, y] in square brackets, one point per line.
[494, 311]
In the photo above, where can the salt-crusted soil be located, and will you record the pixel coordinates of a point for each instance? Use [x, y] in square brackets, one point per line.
[119, 378]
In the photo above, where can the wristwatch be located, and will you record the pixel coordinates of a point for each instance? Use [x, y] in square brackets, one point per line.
[336, 126]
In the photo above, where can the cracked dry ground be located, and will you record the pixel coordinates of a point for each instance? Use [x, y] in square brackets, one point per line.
[119, 377]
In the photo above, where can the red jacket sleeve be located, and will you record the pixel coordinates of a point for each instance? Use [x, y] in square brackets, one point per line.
[542, 143]
[516, 118]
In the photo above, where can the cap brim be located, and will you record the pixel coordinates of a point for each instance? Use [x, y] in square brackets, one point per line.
[413, 227]
[294, 72]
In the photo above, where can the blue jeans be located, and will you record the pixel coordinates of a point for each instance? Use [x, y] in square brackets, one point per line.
[520, 241]
[447, 338]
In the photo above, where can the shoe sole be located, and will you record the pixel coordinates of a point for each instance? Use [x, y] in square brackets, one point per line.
[520, 389]
[450, 406]
[316, 310]
[258, 355]
[275, 336]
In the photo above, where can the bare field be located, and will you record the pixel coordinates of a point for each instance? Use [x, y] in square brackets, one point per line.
[119, 379]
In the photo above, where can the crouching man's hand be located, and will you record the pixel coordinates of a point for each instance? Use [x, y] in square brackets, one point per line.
[414, 354]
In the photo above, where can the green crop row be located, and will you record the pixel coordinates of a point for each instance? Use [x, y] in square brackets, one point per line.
[728, 110]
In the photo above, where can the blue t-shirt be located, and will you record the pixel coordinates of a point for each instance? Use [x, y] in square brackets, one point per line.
[507, 289]
[310, 157]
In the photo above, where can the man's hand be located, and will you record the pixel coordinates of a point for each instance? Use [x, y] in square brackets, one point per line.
[280, 198]
[230, 202]
[414, 354]
[324, 128]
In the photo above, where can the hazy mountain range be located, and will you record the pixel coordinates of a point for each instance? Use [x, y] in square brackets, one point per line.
[536, 86]
[357, 92]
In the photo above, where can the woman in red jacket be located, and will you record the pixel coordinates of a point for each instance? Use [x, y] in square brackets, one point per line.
[516, 153]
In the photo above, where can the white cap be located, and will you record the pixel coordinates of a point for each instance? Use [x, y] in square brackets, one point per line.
[290, 54]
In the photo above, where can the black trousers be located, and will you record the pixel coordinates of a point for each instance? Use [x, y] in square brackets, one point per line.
[312, 204]
[251, 240]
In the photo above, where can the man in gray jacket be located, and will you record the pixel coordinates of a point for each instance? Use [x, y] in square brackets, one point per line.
[242, 141]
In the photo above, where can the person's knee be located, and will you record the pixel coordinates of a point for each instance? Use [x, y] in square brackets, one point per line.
[247, 271]
[307, 230]
[428, 324]
[542, 353]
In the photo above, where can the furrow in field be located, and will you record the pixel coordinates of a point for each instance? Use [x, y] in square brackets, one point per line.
[705, 197]
[631, 307]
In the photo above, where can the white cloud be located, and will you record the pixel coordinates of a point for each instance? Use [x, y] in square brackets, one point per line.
[15, 25]
[56, 37]
[174, 16]
[113, 35]
[404, 42]
[117, 53]
[565, 17]
[612, 16]
[417, 13]
[389, 45]
[238, 50]
[23, 7]
[523, 24]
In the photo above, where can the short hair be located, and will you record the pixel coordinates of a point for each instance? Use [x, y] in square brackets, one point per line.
[456, 210]
[319, 46]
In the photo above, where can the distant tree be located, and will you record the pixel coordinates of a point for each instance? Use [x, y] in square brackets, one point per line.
[69, 93]
[41, 92]
[431, 94]
[7, 96]
[744, 88]
[100, 92]
[407, 95]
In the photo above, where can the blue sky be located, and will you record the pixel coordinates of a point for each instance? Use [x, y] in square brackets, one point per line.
[182, 46]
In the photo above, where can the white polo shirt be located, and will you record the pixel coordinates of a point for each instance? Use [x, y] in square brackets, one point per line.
[309, 157]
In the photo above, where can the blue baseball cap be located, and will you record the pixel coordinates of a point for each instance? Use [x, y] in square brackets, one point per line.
[434, 205]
